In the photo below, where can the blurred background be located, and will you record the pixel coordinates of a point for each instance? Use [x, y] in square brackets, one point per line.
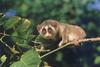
[85, 13]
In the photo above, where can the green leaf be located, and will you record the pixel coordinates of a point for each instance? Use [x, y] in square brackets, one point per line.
[23, 26]
[98, 48]
[97, 60]
[3, 58]
[28, 59]
[24, 45]
[20, 40]
[91, 26]
[48, 44]
[11, 22]
[59, 56]
[39, 38]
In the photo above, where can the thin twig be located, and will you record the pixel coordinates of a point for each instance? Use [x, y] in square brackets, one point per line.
[12, 36]
[12, 49]
[79, 41]
[19, 37]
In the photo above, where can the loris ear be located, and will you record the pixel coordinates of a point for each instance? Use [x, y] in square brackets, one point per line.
[39, 27]
[54, 24]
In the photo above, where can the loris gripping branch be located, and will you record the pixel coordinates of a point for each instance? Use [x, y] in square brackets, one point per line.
[52, 29]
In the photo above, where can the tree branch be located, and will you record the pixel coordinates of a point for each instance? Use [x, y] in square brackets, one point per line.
[79, 41]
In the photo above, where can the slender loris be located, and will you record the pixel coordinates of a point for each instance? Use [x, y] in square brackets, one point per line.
[52, 29]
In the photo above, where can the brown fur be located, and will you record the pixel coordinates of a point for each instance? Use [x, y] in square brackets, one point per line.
[66, 32]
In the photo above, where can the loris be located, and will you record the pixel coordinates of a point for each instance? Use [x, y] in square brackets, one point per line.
[52, 29]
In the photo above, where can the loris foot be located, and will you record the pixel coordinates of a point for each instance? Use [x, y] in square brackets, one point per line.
[76, 43]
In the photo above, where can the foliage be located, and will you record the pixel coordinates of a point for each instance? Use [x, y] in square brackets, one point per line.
[29, 59]
[18, 35]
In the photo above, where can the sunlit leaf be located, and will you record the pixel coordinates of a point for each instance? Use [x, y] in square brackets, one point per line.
[23, 25]
[97, 60]
[28, 59]
[3, 58]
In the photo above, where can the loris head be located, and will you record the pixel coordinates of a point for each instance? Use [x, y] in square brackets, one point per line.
[48, 29]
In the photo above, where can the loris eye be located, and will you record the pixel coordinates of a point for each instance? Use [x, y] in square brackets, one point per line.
[50, 30]
[43, 31]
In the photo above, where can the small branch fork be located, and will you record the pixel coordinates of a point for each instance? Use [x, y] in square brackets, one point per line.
[12, 49]
[70, 43]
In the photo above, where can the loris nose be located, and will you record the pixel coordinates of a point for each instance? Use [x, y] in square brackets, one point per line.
[48, 36]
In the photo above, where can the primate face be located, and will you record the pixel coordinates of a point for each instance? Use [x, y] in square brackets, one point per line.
[48, 32]
[48, 29]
